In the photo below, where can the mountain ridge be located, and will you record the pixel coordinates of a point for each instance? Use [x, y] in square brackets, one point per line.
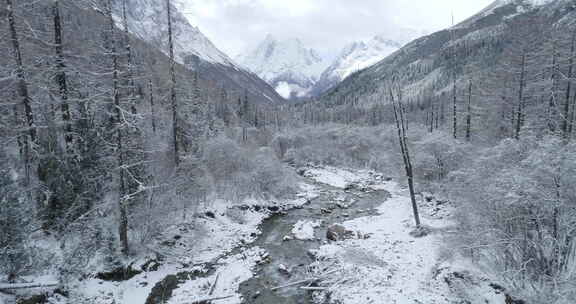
[287, 65]
[145, 20]
[296, 71]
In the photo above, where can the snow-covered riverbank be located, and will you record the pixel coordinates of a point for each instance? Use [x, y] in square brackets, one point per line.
[378, 261]
[388, 264]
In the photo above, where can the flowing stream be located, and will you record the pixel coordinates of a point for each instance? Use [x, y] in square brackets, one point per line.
[332, 206]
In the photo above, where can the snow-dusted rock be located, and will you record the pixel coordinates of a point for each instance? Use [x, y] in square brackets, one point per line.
[338, 233]
[304, 230]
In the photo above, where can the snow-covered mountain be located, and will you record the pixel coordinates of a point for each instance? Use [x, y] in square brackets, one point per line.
[145, 18]
[288, 66]
[521, 5]
[423, 64]
[362, 54]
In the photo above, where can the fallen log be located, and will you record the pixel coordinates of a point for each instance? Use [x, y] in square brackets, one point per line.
[208, 300]
[295, 283]
[214, 285]
[314, 288]
[27, 285]
[314, 279]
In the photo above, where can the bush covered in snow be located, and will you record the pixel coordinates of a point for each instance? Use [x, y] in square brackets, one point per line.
[239, 171]
[353, 146]
[518, 214]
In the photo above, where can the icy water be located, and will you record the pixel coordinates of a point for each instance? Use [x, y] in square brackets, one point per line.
[294, 253]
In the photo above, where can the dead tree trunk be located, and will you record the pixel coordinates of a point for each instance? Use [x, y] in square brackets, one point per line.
[469, 113]
[123, 217]
[23, 92]
[454, 106]
[520, 106]
[129, 60]
[399, 117]
[61, 79]
[20, 74]
[566, 123]
[152, 114]
[572, 116]
[552, 107]
[173, 99]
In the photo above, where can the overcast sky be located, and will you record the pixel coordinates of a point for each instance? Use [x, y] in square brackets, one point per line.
[326, 25]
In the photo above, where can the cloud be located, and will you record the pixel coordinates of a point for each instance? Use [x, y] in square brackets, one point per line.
[326, 25]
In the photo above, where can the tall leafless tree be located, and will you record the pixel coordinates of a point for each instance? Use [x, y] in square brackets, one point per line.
[400, 119]
[173, 97]
[23, 92]
[118, 120]
[566, 113]
[61, 78]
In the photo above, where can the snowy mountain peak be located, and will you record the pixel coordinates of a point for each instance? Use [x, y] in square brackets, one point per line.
[287, 65]
[359, 55]
[144, 18]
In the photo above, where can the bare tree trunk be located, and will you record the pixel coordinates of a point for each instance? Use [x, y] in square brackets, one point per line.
[437, 105]
[454, 111]
[20, 74]
[173, 99]
[519, 112]
[24, 95]
[552, 102]
[123, 217]
[61, 78]
[454, 106]
[152, 114]
[130, 68]
[572, 116]
[401, 128]
[430, 115]
[469, 112]
[442, 111]
[566, 125]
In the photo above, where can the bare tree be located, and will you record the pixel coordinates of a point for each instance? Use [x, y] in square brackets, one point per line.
[118, 119]
[566, 115]
[61, 78]
[129, 60]
[469, 112]
[173, 97]
[399, 117]
[30, 139]
[454, 106]
[520, 102]
[151, 97]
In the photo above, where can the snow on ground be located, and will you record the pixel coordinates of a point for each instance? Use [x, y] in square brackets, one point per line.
[6, 299]
[304, 230]
[336, 177]
[135, 290]
[235, 270]
[209, 238]
[204, 241]
[468, 282]
[390, 266]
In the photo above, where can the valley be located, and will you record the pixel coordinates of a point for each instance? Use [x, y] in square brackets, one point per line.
[384, 156]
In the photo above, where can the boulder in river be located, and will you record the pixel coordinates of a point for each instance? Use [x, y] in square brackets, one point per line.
[338, 233]
[283, 269]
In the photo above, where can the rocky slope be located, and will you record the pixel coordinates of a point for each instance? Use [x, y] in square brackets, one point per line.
[426, 64]
[147, 21]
